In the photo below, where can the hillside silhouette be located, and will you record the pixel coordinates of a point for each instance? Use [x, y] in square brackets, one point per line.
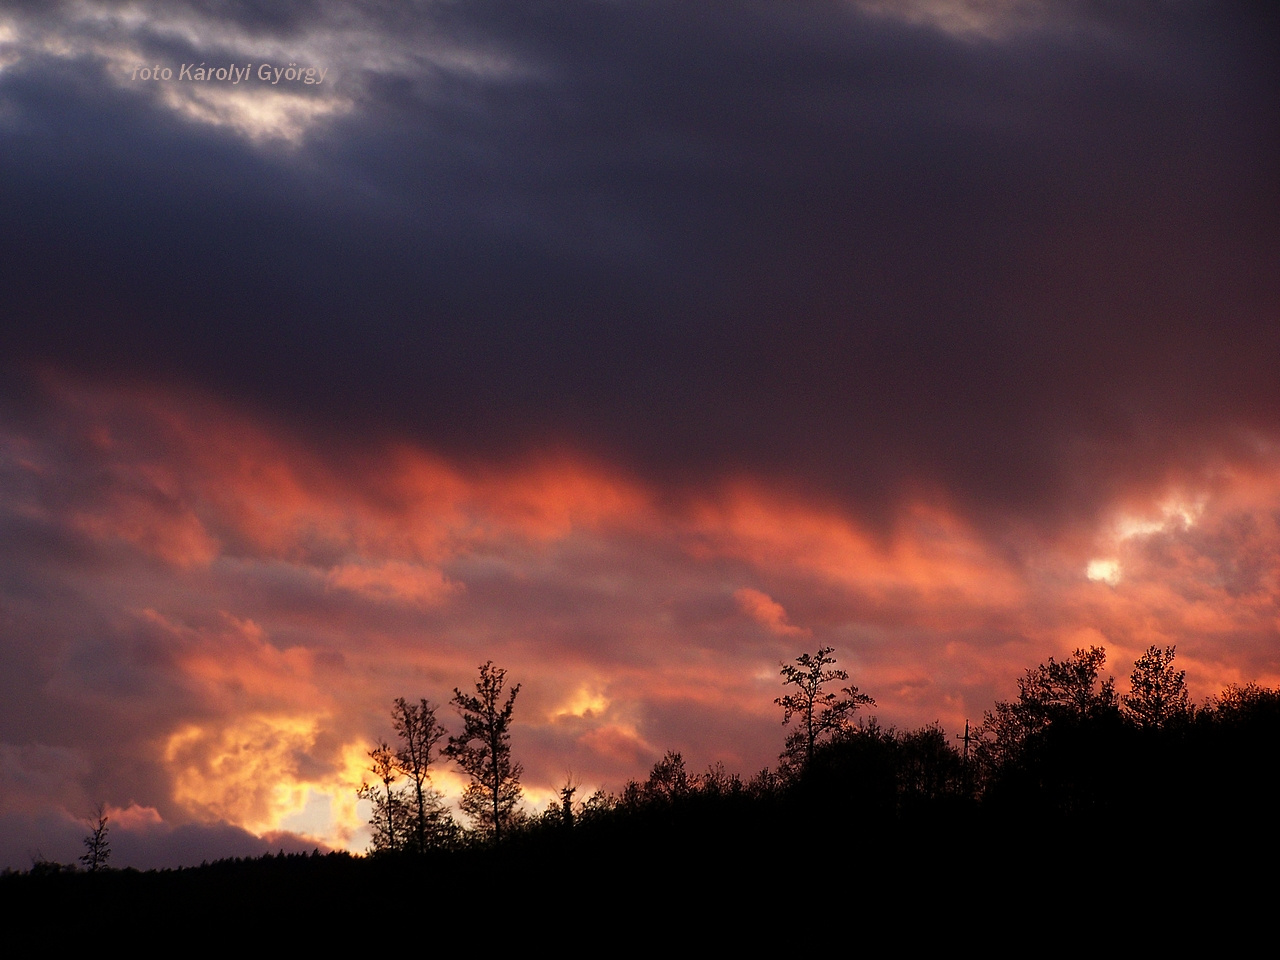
[1066, 794]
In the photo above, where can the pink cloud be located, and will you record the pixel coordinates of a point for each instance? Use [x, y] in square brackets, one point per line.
[247, 606]
[767, 612]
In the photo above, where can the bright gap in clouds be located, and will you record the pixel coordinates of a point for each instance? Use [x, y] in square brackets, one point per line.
[1107, 571]
[252, 773]
[1174, 514]
[255, 114]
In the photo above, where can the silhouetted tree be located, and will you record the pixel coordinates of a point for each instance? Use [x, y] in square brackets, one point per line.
[930, 770]
[1158, 693]
[822, 714]
[1237, 733]
[390, 819]
[1057, 748]
[483, 750]
[419, 733]
[766, 783]
[1071, 687]
[668, 778]
[718, 781]
[566, 802]
[854, 770]
[562, 811]
[1238, 700]
[1070, 690]
[97, 848]
[596, 807]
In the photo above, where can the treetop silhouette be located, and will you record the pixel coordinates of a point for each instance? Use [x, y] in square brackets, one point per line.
[822, 713]
[1157, 692]
[1054, 691]
[390, 820]
[483, 750]
[419, 733]
[97, 847]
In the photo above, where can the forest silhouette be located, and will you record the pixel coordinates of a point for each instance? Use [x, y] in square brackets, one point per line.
[1065, 789]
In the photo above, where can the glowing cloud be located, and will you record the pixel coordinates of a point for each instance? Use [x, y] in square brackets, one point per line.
[255, 773]
[279, 600]
[256, 114]
[584, 704]
[394, 581]
[767, 612]
[1107, 571]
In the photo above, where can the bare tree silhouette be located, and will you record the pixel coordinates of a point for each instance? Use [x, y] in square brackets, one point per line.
[483, 750]
[97, 847]
[390, 819]
[419, 733]
[821, 713]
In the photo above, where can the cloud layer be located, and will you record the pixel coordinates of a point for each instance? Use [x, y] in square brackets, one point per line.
[636, 346]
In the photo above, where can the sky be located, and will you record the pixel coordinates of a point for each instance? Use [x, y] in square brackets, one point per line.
[638, 346]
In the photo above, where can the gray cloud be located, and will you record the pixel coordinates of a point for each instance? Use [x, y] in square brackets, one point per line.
[845, 251]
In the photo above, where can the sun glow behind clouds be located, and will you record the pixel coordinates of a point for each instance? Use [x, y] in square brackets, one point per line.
[1107, 571]
[259, 773]
[1174, 514]
[585, 703]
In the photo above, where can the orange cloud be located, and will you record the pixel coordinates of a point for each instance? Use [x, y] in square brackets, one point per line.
[151, 525]
[134, 817]
[767, 612]
[251, 773]
[394, 580]
[286, 596]
[232, 663]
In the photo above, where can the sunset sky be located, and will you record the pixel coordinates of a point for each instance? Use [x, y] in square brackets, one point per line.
[634, 345]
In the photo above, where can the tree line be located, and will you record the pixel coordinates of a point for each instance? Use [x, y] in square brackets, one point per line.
[1066, 745]
[1064, 792]
[413, 816]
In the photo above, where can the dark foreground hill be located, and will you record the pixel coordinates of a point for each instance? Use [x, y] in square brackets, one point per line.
[793, 868]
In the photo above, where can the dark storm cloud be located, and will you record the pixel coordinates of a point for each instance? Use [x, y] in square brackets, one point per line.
[1025, 266]
[744, 276]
